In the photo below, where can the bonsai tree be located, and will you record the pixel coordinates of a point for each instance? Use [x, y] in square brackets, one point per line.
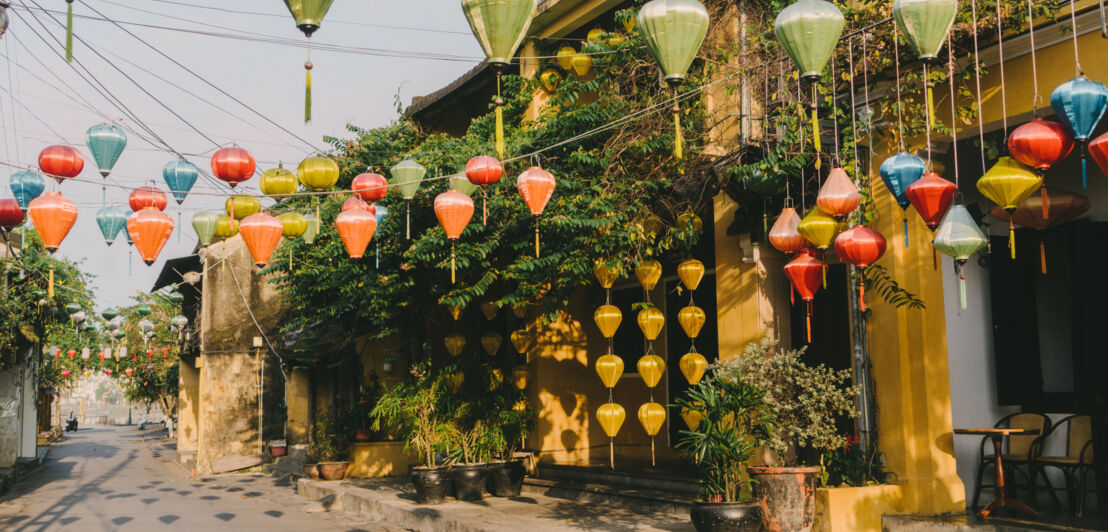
[734, 424]
[329, 440]
[802, 401]
[412, 407]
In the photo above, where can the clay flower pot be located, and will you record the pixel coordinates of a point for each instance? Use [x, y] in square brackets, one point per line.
[278, 448]
[312, 470]
[333, 470]
[787, 496]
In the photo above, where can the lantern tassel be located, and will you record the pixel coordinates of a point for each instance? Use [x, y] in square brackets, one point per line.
[69, 31]
[130, 259]
[377, 263]
[308, 95]
[484, 207]
[808, 321]
[536, 240]
[792, 294]
[823, 271]
[178, 225]
[408, 220]
[1084, 166]
[500, 130]
[453, 265]
[652, 463]
[1042, 255]
[905, 230]
[930, 100]
[1046, 203]
[1012, 238]
[862, 294]
[50, 289]
[679, 136]
[612, 453]
[962, 290]
[815, 124]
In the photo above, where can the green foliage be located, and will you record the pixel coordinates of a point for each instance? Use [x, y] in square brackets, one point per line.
[330, 436]
[877, 279]
[413, 408]
[851, 465]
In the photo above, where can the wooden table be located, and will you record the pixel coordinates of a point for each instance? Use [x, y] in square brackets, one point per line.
[1002, 500]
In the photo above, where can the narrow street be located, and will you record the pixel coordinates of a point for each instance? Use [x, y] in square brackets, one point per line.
[119, 478]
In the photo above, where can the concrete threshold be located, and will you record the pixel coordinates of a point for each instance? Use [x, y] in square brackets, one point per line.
[393, 501]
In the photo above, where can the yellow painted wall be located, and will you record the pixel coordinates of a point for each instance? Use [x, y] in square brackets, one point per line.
[856, 509]
[298, 399]
[188, 407]
[378, 459]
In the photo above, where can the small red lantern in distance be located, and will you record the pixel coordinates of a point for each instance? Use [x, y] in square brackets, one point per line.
[165, 352]
[233, 165]
[370, 187]
[932, 196]
[72, 353]
[61, 162]
[144, 197]
[10, 214]
[108, 372]
[150, 353]
[128, 371]
[65, 373]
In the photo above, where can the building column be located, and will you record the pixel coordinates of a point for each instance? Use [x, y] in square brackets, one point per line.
[298, 397]
[188, 409]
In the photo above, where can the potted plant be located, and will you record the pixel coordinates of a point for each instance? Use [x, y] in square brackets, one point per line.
[278, 448]
[331, 442]
[469, 438]
[733, 424]
[512, 425]
[804, 403]
[412, 408]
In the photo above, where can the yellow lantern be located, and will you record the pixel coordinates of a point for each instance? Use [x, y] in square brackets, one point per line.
[610, 369]
[691, 273]
[611, 416]
[278, 183]
[608, 318]
[692, 418]
[456, 311]
[521, 340]
[227, 227]
[550, 80]
[819, 228]
[242, 206]
[519, 310]
[565, 58]
[630, 23]
[648, 273]
[520, 406]
[519, 376]
[651, 322]
[605, 275]
[616, 39]
[651, 368]
[582, 64]
[293, 224]
[692, 319]
[693, 365]
[652, 416]
[489, 309]
[454, 382]
[491, 342]
[318, 173]
[1008, 183]
[595, 35]
[455, 343]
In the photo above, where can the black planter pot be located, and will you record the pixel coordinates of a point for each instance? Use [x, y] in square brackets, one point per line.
[726, 517]
[432, 484]
[506, 478]
[469, 481]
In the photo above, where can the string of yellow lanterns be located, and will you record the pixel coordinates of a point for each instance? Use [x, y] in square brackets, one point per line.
[609, 366]
[651, 367]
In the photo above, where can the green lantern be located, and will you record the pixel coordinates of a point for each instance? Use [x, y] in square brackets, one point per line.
[808, 30]
[925, 24]
[461, 184]
[106, 143]
[205, 223]
[175, 297]
[407, 175]
[72, 308]
[313, 229]
[960, 237]
[109, 314]
[143, 309]
[309, 15]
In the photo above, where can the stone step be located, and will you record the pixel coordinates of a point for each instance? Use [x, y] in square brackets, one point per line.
[630, 498]
[967, 523]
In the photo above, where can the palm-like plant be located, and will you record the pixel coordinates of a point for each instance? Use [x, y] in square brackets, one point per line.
[412, 408]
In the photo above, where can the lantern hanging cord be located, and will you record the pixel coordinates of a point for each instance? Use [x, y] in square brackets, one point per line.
[1034, 64]
[869, 117]
[1076, 56]
[1003, 90]
[929, 112]
[853, 106]
[953, 108]
[835, 109]
[977, 76]
[899, 110]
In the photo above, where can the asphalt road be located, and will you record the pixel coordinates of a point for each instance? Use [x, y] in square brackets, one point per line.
[119, 478]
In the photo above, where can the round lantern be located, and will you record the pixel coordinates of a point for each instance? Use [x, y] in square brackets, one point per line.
[106, 143]
[10, 214]
[407, 176]
[356, 228]
[1007, 184]
[648, 272]
[239, 207]
[818, 228]
[838, 196]
[454, 210]
[484, 170]
[692, 319]
[693, 366]
[53, 216]
[651, 368]
[784, 235]
[357, 203]
[608, 318]
[150, 229]
[278, 183]
[111, 220]
[860, 246]
[673, 31]
[370, 187]
[180, 176]
[960, 237]
[536, 186]
[610, 369]
[691, 272]
[925, 24]
[565, 57]
[293, 224]
[1040, 143]
[205, 223]
[808, 30]
[550, 80]
[1080, 104]
[26, 186]
[931, 196]
[144, 197]
[806, 274]
[318, 173]
[233, 165]
[61, 162]
[261, 233]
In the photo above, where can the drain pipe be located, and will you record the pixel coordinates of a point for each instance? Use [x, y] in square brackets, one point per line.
[867, 414]
[261, 392]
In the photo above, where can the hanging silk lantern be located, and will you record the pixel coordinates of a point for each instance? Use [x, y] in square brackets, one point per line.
[838, 196]
[1098, 148]
[521, 341]
[582, 65]
[455, 343]
[227, 226]
[180, 176]
[483, 171]
[806, 274]
[652, 416]
[61, 162]
[607, 318]
[370, 187]
[407, 176]
[106, 142]
[808, 30]
[925, 24]
[818, 228]
[898, 173]
[239, 207]
[1040, 143]
[318, 173]
[489, 309]
[693, 366]
[536, 186]
[261, 233]
[278, 183]
[144, 310]
[1007, 184]
[611, 417]
[10, 214]
[144, 197]
[692, 319]
[1064, 206]
[931, 196]
[692, 418]
[1080, 103]
[53, 216]
[691, 272]
[293, 224]
[313, 229]
[357, 203]
[648, 272]
[860, 246]
[356, 228]
[26, 186]
[674, 31]
[491, 342]
[610, 369]
[150, 229]
[651, 321]
[454, 210]
[784, 235]
[960, 237]
[111, 220]
[605, 275]
[233, 165]
[175, 297]
[309, 15]
[205, 223]
[651, 368]
[550, 79]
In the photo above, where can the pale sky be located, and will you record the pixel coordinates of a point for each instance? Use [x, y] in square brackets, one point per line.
[355, 88]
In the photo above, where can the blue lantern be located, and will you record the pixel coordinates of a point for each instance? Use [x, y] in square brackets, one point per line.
[1080, 103]
[111, 220]
[180, 175]
[898, 172]
[106, 142]
[26, 186]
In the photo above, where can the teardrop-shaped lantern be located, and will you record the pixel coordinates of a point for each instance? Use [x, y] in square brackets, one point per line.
[10, 214]
[180, 176]
[648, 272]
[899, 172]
[318, 173]
[931, 196]
[454, 210]
[691, 272]
[536, 186]
[673, 31]
[860, 246]
[611, 417]
[26, 186]
[370, 187]
[808, 30]
[61, 162]
[111, 220]
[407, 175]
[278, 183]
[959, 237]
[692, 319]
[491, 342]
[692, 418]
[565, 57]
[652, 416]
[925, 24]
[582, 65]
[293, 224]
[610, 369]
[239, 207]
[150, 229]
[1098, 148]
[106, 142]
[607, 318]
[313, 229]
[651, 368]
[1040, 143]
[233, 165]
[605, 275]
[53, 217]
[550, 80]
[1080, 104]
[308, 13]
[693, 365]
[356, 228]
[261, 233]
[784, 236]
[455, 343]
[838, 196]
[1007, 184]
[489, 309]
[499, 26]
[651, 321]
[806, 274]
[144, 197]
[205, 223]
[521, 341]
[818, 228]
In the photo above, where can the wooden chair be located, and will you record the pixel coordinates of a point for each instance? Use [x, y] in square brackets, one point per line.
[1076, 465]
[1019, 451]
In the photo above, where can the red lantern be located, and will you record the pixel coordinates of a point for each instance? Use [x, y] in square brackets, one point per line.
[144, 197]
[1098, 148]
[108, 372]
[784, 235]
[454, 211]
[61, 162]
[57, 352]
[150, 354]
[101, 355]
[65, 373]
[150, 230]
[357, 203]
[53, 216]
[72, 353]
[536, 186]
[165, 352]
[129, 371]
[484, 171]
[370, 187]
[261, 233]
[233, 165]
[932, 196]
[806, 274]
[10, 214]
[860, 246]
[1040, 143]
[838, 196]
[356, 228]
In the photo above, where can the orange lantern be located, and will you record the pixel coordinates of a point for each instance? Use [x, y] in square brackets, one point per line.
[261, 233]
[150, 230]
[370, 187]
[233, 165]
[454, 211]
[838, 196]
[144, 197]
[61, 162]
[356, 228]
[53, 216]
[536, 186]
[784, 235]
[483, 171]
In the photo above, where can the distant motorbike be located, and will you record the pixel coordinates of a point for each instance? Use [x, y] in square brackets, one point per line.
[71, 425]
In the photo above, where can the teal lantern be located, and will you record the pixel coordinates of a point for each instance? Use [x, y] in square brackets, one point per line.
[106, 142]
[407, 175]
[808, 30]
[26, 186]
[959, 237]
[180, 176]
[109, 314]
[111, 220]
[925, 24]
[205, 223]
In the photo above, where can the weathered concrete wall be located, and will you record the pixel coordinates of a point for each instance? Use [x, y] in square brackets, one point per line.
[188, 408]
[298, 395]
[10, 393]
